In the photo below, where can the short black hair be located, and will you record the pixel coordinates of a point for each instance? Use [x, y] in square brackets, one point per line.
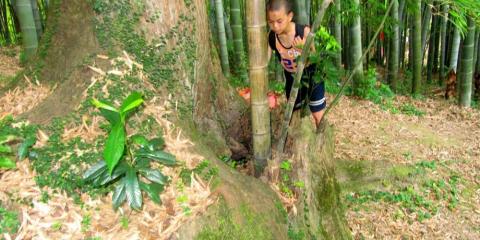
[275, 5]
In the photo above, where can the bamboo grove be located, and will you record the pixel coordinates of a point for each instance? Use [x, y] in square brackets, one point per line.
[422, 45]
[22, 20]
[419, 45]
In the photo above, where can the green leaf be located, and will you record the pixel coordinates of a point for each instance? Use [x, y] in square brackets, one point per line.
[103, 105]
[134, 195]
[5, 149]
[139, 140]
[154, 175]
[156, 144]
[112, 117]
[114, 146]
[95, 171]
[6, 162]
[23, 148]
[132, 101]
[159, 156]
[153, 191]
[105, 177]
[119, 195]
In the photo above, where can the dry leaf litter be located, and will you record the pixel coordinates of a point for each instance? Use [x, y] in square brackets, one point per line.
[61, 218]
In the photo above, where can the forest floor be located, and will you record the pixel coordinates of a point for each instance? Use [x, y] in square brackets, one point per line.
[410, 174]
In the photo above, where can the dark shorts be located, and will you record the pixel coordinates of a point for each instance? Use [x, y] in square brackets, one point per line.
[314, 92]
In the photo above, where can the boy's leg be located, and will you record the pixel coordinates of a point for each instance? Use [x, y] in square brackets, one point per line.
[318, 102]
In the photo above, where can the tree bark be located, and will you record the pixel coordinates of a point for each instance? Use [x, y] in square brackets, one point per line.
[443, 43]
[455, 49]
[37, 18]
[237, 30]
[338, 31]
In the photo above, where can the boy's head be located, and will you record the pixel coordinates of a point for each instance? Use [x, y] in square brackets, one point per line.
[279, 15]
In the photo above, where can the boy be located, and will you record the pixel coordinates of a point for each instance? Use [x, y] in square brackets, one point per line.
[285, 38]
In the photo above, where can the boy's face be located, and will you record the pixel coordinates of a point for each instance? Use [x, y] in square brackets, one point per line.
[278, 20]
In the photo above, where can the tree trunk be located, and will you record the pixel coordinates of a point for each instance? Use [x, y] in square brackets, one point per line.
[465, 97]
[394, 48]
[477, 65]
[338, 31]
[222, 38]
[417, 47]
[431, 50]
[443, 43]
[455, 49]
[27, 23]
[228, 28]
[237, 30]
[37, 18]
[401, 40]
[257, 52]
[427, 16]
[356, 49]
[301, 16]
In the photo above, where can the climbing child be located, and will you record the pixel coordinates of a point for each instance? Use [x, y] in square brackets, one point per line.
[286, 38]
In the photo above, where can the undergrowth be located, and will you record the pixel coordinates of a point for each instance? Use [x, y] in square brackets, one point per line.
[418, 200]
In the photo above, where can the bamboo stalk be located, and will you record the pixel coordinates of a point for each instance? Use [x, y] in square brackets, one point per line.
[258, 60]
[27, 23]
[222, 38]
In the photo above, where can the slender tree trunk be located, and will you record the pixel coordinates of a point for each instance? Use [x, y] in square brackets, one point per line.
[475, 51]
[37, 18]
[222, 38]
[394, 48]
[346, 46]
[477, 65]
[356, 49]
[27, 23]
[228, 28]
[402, 26]
[338, 31]
[257, 49]
[427, 16]
[455, 49]
[466, 73]
[308, 7]
[443, 43]
[417, 46]
[301, 16]
[431, 51]
[237, 30]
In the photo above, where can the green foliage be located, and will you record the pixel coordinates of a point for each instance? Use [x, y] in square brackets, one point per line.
[326, 49]
[22, 137]
[411, 110]
[124, 161]
[287, 184]
[373, 90]
[9, 222]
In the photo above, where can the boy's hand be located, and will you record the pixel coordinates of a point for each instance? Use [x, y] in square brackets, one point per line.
[298, 42]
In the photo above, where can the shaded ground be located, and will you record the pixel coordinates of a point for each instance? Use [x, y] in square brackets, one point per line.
[9, 64]
[407, 176]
